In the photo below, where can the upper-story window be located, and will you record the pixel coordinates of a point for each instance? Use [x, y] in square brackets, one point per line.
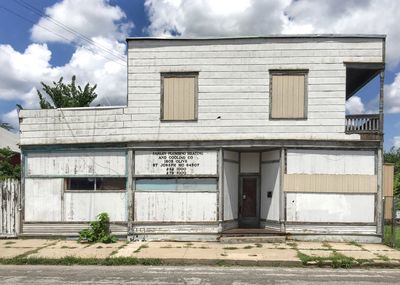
[179, 96]
[288, 94]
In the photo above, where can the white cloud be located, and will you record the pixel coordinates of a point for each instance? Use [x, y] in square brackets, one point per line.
[26, 70]
[91, 18]
[392, 95]
[396, 142]
[103, 23]
[354, 105]
[11, 118]
[214, 18]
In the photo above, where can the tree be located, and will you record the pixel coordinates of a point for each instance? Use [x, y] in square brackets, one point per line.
[6, 126]
[62, 95]
[7, 167]
[393, 156]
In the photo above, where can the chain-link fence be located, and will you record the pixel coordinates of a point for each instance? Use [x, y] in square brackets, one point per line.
[392, 221]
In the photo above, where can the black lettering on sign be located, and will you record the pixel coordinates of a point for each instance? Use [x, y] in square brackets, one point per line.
[176, 162]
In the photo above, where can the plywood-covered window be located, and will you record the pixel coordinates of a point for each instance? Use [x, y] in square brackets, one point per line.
[288, 94]
[179, 96]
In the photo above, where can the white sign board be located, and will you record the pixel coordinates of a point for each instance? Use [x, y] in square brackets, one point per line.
[175, 163]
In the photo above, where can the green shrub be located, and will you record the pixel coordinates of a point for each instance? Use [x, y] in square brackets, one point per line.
[99, 231]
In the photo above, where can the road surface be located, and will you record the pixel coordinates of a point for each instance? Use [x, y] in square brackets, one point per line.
[10, 274]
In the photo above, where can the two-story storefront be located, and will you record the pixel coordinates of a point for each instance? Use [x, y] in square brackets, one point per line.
[217, 134]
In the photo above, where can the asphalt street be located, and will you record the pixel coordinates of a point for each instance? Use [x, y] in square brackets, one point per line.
[192, 275]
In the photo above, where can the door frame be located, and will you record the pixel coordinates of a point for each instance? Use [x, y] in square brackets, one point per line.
[249, 222]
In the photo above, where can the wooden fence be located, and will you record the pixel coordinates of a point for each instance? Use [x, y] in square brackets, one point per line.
[10, 198]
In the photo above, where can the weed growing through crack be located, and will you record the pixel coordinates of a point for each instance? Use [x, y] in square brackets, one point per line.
[141, 247]
[230, 248]
[258, 245]
[336, 260]
[248, 247]
[326, 244]
[353, 242]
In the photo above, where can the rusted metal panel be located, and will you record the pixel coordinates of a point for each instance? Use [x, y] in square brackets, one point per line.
[330, 208]
[175, 207]
[176, 163]
[106, 163]
[324, 161]
[330, 183]
[43, 199]
[85, 206]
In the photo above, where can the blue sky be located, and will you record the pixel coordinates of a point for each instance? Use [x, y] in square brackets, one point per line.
[42, 40]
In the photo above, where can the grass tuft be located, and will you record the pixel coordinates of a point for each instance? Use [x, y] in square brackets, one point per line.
[141, 247]
[248, 247]
[258, 245]
[353, 242]
[230, 248]
[336, 260]
[70, 260]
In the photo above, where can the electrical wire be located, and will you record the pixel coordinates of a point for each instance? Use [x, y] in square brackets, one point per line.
[57, 34]
[79, 35]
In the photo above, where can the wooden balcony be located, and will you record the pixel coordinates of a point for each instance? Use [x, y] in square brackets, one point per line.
[363, 124]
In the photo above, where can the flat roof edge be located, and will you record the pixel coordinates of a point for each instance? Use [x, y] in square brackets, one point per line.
[337, 36]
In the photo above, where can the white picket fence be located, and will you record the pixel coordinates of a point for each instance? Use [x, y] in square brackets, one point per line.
[10, 197]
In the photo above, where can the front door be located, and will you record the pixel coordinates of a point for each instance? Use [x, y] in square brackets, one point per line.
[248, 202]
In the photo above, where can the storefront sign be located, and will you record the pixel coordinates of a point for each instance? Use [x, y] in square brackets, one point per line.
[176, 163]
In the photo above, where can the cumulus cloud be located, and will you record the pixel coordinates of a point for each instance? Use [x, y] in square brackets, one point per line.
[26, 70]
[214, 18]
[91, 18]
[105, 25]
[354, 105]
[392, 95]
[396, 142]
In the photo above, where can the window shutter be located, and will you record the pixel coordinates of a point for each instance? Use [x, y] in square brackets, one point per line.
[288, 96]
[179, 98]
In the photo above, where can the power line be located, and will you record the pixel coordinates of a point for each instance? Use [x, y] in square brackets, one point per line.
[69, 29]
[57, 34]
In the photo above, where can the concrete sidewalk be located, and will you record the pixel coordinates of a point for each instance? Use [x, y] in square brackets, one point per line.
[285, 253]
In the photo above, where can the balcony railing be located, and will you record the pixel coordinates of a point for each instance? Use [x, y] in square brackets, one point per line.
[363, 124]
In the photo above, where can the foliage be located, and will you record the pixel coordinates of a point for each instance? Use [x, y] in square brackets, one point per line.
[393, 156]
[335, 260]
[99, 231]
[388, 236]
[6, 126]
[71, 260]
[63, 95]
[7, 169]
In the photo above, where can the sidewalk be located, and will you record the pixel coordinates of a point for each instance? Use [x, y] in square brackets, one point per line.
[213, 253]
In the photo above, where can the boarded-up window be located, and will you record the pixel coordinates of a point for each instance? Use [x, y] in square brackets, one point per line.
[179, 96]
[288, 95]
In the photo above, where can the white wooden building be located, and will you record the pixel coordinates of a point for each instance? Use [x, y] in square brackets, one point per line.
[217, 134]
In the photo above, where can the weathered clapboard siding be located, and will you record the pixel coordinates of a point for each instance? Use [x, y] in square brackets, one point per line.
[330, 208]
[88, 163]
[162, 207]
[347, 162]
[10, 204]
[233, 98]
